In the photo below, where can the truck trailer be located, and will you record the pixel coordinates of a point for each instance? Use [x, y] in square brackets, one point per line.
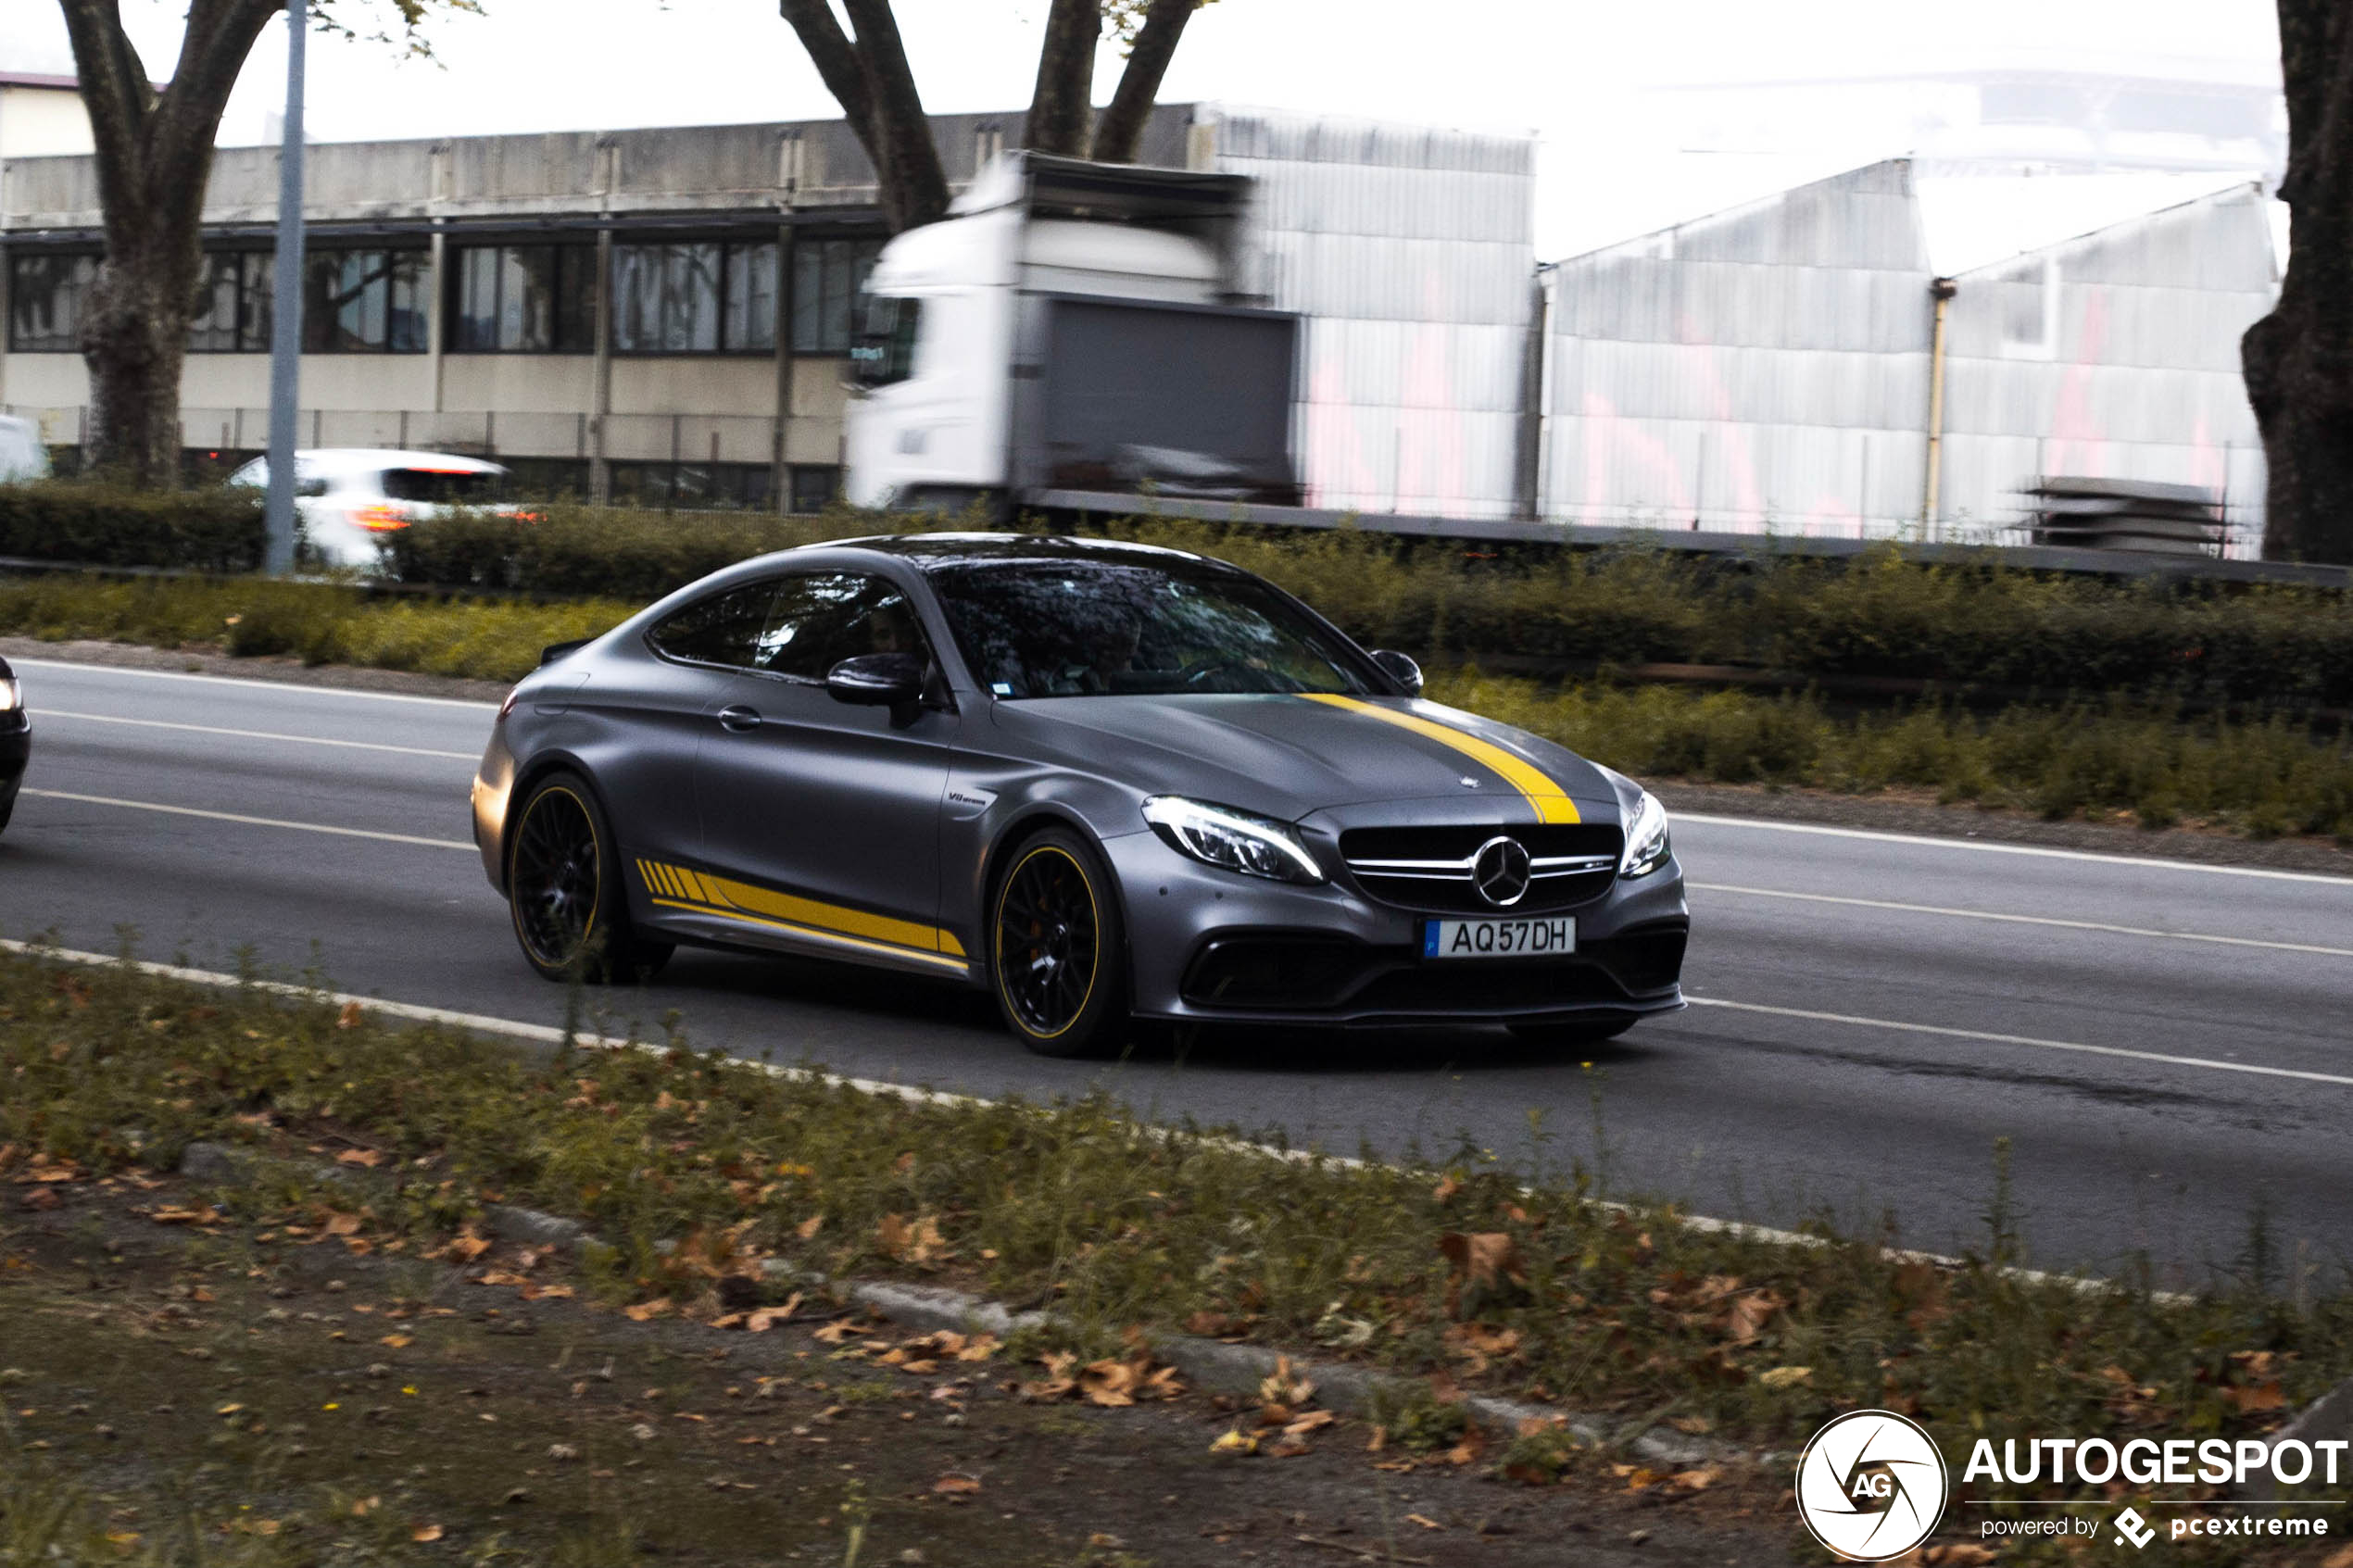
[1074, 333]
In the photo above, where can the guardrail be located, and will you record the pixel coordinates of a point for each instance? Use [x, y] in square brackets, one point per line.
[1575, 536]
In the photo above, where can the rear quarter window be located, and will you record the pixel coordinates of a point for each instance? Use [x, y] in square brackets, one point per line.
[445, 486]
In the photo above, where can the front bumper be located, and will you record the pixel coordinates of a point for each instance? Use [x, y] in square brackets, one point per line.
[1209, 946]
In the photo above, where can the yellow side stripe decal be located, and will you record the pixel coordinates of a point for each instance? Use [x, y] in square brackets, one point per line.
[681, 887]
[890, 948]
[1552, 803]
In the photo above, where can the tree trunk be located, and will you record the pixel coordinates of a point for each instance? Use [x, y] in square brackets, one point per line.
[154, 156]
[135, 334]
[913, 187]
[2299, 359]
[1062, 100]
[1120, 133]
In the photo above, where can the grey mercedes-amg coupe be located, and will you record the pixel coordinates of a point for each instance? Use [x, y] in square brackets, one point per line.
[1106, 781]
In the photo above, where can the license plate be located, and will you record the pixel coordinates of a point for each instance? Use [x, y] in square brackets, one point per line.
[1556, 938]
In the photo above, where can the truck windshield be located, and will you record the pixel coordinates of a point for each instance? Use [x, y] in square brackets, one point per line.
[1058, 627]
[885, 352]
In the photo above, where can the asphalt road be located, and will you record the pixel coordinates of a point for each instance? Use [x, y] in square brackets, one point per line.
[2169, 1047]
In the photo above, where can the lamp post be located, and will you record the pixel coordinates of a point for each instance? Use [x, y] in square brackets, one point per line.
[285, 314]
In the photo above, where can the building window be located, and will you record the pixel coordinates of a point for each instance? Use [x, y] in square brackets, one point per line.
[694, 297]
[522, 299]
[364, 302]
[44, 302]
[751, 297]
[548, 479]
[692, 487]
[813, 488]
[826, 277]
[232, 304]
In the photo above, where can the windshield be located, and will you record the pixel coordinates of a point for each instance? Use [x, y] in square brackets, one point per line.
[1086, 628]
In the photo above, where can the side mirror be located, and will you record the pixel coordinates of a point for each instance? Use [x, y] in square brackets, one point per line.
[1401, 669]
[877, 679]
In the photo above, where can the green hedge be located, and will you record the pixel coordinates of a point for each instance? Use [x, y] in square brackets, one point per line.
[100, 524]
[569, 551]
[1882, 614]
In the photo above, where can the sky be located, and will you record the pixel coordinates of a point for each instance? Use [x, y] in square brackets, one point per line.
[1605, 84]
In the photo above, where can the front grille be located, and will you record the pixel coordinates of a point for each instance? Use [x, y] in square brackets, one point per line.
[1471, 988]
[1429, 868]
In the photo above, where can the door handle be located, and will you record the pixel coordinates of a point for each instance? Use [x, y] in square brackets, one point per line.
[740, 717]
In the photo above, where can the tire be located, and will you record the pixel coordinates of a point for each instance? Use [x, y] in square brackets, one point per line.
[1571, 1036]
[1057, 948]
[564, 889]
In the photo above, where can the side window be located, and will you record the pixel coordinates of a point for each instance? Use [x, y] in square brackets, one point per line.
[725, 629]
[825, 618]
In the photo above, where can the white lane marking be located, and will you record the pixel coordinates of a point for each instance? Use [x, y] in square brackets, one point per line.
[252, 735]
[255, 822]
[1942, 1032]
[247, 683]
[2023, 919]
[548, 1035]
[1990, 847]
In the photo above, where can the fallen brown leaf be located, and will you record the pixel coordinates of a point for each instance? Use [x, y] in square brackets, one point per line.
[425, 1533]
[368, 1157]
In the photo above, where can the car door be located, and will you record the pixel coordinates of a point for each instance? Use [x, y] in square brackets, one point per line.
[639, 717]
[822, 816]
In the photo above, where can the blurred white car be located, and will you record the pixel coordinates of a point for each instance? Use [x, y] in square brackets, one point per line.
[22, 455]
[350, 497]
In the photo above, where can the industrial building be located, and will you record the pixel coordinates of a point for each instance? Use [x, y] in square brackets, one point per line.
[1803, 364]
[664, 316]
[453, 296]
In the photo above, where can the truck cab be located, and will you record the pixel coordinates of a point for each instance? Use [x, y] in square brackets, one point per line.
[1070, 326]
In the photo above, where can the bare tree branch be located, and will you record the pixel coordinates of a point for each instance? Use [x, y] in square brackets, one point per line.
[837, 61]
[1120, 130]
[913, 185]
[1062, 103]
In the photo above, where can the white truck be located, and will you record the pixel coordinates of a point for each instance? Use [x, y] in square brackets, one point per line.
[1071, 337]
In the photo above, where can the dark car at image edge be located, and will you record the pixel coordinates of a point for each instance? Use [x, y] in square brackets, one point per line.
[16, 741]
[1105, 781]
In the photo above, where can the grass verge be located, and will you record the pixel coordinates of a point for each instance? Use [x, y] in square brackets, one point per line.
[697, 1171]
[2266, 778]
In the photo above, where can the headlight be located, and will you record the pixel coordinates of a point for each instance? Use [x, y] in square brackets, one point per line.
[11, 695]
[1232, 840]
[1646, 846]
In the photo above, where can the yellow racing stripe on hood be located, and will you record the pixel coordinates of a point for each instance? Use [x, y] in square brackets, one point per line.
[1551, 802]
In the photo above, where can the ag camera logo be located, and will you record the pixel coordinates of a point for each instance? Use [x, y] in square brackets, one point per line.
[1871, 1485]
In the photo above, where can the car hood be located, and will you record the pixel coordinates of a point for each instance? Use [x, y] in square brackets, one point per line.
[1290, 756]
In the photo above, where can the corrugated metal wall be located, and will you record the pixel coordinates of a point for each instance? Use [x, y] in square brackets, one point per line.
[1768, 367]
[1765, 367]
[1410, 251]
[2115, 355]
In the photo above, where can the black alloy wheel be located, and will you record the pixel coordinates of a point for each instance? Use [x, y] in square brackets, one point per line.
[563, 885]
[1057, 949]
